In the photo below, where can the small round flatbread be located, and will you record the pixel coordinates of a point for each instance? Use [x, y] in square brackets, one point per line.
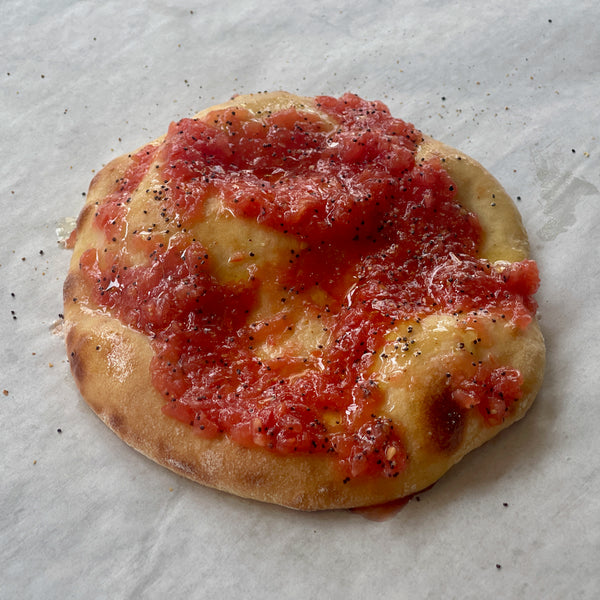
[433, 370]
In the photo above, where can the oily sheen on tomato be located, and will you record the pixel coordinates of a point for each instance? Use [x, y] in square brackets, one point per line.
[380, 240]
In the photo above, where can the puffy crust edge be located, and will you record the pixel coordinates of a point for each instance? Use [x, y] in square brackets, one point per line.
[110, 364]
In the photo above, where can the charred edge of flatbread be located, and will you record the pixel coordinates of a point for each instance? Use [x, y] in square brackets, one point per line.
[110, 363]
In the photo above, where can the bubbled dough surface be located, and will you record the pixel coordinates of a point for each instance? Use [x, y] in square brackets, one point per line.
[110, 362]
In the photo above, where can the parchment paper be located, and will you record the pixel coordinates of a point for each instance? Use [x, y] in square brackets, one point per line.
[514, 84]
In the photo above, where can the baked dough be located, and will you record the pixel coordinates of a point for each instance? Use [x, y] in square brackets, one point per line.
[111, 361]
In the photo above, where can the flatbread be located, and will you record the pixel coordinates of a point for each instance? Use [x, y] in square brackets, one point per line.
[111, 357]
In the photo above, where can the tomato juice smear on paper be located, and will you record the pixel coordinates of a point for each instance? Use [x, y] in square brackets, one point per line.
[382, 238]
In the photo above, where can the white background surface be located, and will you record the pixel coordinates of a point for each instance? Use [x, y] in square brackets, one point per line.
[515, 84]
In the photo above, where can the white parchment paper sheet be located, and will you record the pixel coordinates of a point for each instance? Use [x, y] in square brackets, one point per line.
[513, 83]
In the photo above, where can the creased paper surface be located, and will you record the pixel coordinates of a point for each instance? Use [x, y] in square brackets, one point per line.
[513, 84]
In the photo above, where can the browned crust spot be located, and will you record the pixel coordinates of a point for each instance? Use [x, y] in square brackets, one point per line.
[447, 423]
[75, 360]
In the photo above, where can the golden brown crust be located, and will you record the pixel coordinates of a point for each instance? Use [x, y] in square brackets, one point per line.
[110, 363]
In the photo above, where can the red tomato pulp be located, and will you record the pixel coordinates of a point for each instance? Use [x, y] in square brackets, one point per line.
[380, 236]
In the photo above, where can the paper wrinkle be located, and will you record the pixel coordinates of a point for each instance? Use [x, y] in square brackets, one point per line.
[513, 85]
